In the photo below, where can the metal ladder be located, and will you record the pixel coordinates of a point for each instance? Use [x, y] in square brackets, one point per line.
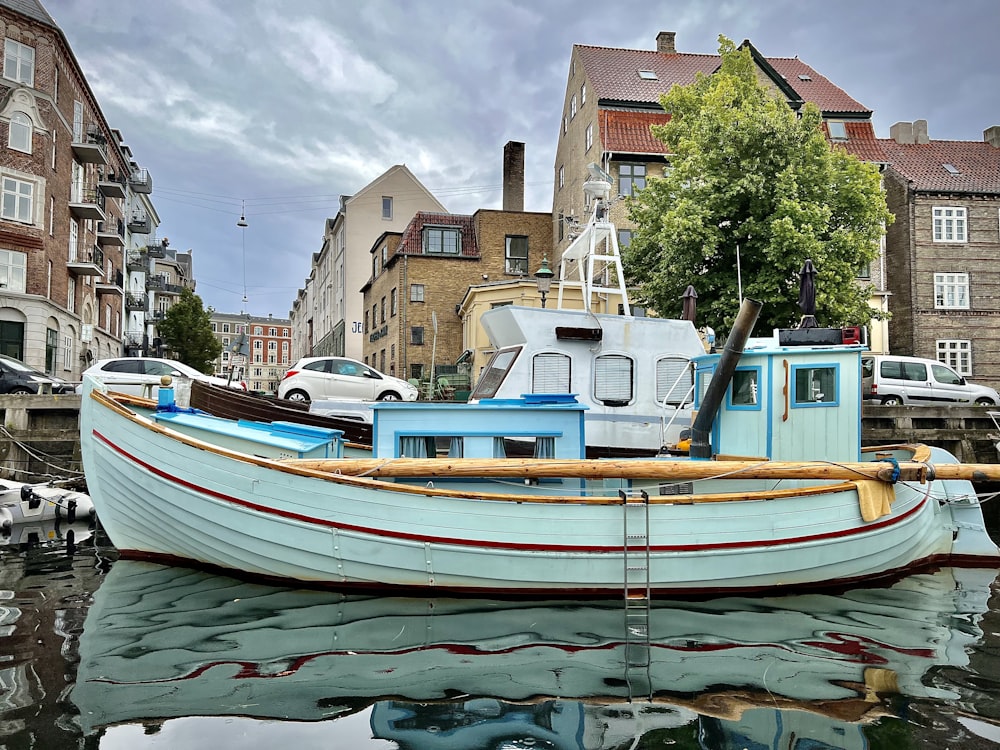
[635, 553]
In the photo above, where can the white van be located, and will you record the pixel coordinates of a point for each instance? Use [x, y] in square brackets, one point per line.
[892, 380]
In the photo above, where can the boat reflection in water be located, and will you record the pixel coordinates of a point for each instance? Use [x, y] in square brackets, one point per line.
[162, 642]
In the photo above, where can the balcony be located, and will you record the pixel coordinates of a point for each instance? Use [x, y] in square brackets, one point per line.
[134, 301]
[140, 223]
[115, 285]
[90, 147]
[157, 248]
[155, 283]
[87, 203]
[86, 260]
[137, 261]
[112, 185]
[141, 181]
[111, 232]
[173, 289]
[159, 314]
[134, 339]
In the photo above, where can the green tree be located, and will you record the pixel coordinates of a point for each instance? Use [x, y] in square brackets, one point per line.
[187, 329]
[748, 172]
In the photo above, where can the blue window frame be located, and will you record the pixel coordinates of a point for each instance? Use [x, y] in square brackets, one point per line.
[815, 385]
[744, 391]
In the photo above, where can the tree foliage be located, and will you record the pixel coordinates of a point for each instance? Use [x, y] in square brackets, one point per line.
[187, 329]
[747, 171]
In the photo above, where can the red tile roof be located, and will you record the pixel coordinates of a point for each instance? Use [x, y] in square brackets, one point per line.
[613, 75]
[628, 132]
[977, 162]
[861, 141]
[412, 241]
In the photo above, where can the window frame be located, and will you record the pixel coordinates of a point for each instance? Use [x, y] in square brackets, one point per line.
[631, 179]
[733, 405]
[416, 335]
[25, 129]
[9, 268]
[607, 381]
[588, 136]
[802, 403]
[416, 292]
[19, 199]
[945, 281]
[511, 268]
[387, 207]
[956, 354]
[444, 231]
[953, 218]
[14, 51]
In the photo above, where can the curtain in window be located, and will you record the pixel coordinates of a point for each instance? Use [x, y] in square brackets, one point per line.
[498, 450]
[545, 447]
[417, 447]
[456, 449]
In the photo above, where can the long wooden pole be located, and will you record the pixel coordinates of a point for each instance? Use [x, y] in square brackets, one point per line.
[681, 470]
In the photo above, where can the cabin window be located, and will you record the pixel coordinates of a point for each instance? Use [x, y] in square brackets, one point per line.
[429, 446]
[495, 372]
[550, 373]
[673, 381]
[613, 379]
[744, 394]
[815, 385]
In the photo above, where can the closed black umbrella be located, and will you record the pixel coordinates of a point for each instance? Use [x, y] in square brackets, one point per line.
[690, 298]
[807, 295]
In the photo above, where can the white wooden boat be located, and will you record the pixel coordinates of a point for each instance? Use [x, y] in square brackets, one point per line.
[810, 506]
[149, 651]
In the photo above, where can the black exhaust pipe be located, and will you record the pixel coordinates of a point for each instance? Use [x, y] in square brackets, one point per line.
[731, 353]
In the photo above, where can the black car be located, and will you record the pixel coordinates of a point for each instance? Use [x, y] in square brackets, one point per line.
[17, 377]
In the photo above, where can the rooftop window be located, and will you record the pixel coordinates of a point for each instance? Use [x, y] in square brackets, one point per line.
[838, 130]
[951, 169]
[647, 75]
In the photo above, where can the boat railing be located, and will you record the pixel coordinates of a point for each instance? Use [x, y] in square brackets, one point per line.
[679, 408]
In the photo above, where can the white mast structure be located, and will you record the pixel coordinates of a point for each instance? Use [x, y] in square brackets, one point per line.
[592, 262]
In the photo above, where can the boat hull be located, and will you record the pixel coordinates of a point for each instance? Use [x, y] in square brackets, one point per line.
[161, 496]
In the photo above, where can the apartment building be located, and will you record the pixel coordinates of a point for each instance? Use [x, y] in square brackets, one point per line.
[70, 187]
[254, 348]
[327, 312]
[943, 249]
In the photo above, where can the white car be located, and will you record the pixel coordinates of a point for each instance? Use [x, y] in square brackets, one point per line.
[131, 374]
[318, 378]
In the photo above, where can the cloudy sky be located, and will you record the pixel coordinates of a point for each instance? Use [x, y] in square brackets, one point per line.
[285, 105]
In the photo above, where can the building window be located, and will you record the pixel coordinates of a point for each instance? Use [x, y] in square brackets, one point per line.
[565, 125]
[13, 267]
[951, 291]
[631, 178]
[272, 346]
[272, 331]
[624, 237]
[416, 292]
[258, 330]
[949, 224]
[442, 240]
[588, 137]
[613, 376]
[17, 200]
[517, 255]
[957, 354]
[562, 177]
[19, 62]
[258, 345]
[381, 317]
[366, 321]
[71, 294]
[838, 130]
[392, 304]
[19, 132]
[67, 352]
[561, 222]
[417, 335]
[572, 107]
[386, 206]
[583, 94]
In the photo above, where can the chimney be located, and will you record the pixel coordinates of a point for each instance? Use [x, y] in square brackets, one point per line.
[513, 176]
[920, 131]
[665, 42]
[992, 136]
[902, 132]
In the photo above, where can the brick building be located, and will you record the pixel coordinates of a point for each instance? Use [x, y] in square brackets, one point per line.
[943, 249]
[422, 275]
[69, 189]
[258, 347]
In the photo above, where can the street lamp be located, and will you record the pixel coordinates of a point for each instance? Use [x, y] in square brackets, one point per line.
[543, 277]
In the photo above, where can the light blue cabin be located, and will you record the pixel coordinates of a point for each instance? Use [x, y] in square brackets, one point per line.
[788, 403]
[538, 424]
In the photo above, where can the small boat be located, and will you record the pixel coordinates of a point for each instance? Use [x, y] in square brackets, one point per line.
[32, 503]
[233, 404]
[456, 669]
[776, 492]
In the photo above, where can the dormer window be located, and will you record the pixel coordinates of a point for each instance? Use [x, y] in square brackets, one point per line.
[838, 130]
[648, 75]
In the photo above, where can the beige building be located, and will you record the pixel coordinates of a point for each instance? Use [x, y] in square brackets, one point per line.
[327, 313]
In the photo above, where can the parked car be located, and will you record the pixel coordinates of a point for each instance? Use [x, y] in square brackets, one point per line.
[893, 380]
[17, 377]
[131, 374]
[316, 378]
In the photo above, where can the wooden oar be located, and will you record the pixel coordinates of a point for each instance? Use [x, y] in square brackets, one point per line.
[511, 468]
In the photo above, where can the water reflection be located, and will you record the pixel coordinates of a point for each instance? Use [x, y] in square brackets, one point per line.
[812, 671]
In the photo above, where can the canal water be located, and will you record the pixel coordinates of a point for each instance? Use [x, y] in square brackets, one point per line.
[97, 652]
